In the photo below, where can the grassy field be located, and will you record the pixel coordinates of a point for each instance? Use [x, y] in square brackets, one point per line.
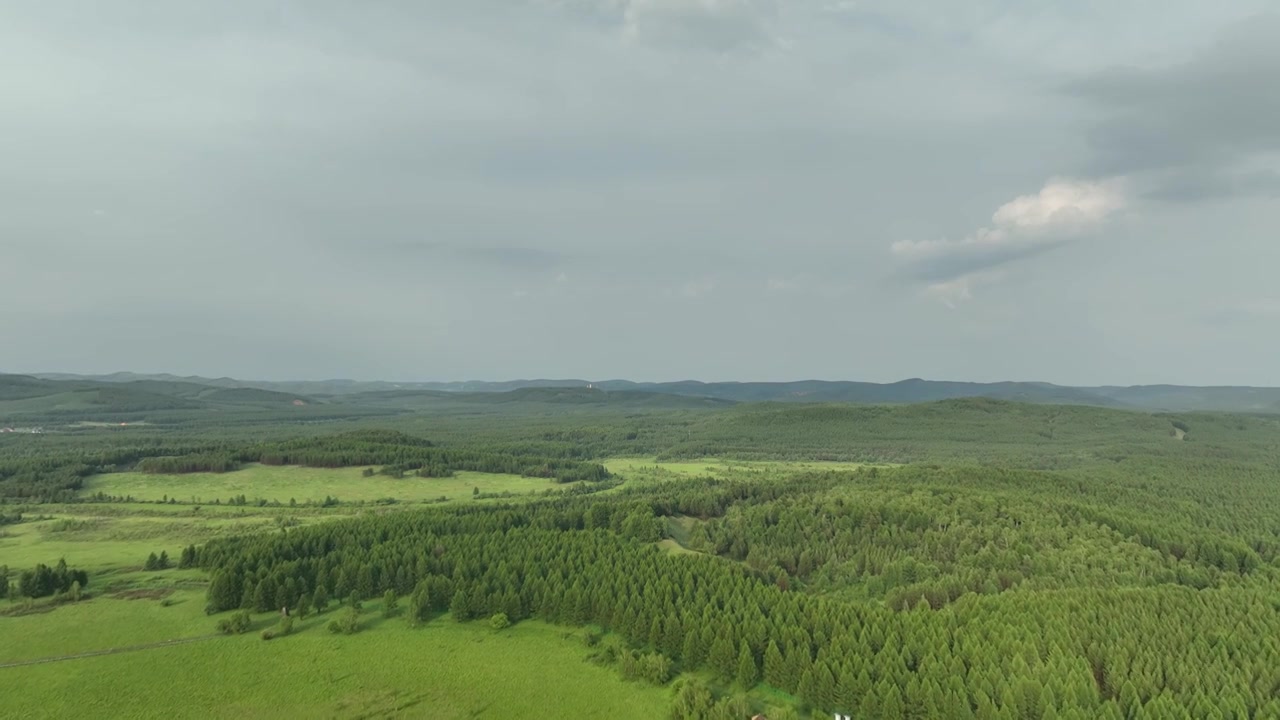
[639, 470]
[441, 670]
[110, 539]
[283, 483]
[110, 543]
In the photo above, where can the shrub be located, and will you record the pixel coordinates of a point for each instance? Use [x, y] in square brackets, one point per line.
[284, 627]
[653, 668]
[237, 624]
[348, 623]
[500, 621]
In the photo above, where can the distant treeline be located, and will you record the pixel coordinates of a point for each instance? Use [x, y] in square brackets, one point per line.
[55, 475]
[397, 452]
[566, 445]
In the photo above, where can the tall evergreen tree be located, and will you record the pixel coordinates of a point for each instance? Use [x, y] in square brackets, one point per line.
[747, 672]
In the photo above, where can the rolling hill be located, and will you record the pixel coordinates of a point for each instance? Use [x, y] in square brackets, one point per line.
[1172, 398]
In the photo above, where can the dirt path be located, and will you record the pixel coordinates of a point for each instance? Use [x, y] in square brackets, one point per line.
[109, 651]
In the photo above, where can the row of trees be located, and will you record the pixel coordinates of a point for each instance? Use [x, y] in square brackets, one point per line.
[397, 452]
[53, 469]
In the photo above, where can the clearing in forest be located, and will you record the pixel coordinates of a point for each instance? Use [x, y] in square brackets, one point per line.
[275, 483]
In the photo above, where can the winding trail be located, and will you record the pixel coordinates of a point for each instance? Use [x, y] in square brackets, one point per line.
[109, 651]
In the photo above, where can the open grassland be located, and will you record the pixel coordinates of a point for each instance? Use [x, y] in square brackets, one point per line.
[109, 538]
[301, 484]
[651, 468]
[443, 669]
[111, 619]
[111, 543]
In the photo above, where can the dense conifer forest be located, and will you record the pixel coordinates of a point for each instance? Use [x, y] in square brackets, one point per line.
[912, 592]
[967, 558]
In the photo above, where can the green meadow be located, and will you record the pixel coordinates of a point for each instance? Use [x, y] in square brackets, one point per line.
[442, 669]
[284, 483]
[117, 536]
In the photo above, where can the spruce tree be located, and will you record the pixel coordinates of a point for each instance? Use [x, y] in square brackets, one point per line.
[460, 606]
[748, 674]
[774, 669]
[723, 659]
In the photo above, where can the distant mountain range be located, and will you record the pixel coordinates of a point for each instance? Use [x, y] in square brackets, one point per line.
[1175, 398]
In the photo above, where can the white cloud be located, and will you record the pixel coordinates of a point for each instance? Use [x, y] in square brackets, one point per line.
[1062, 207]
[1029, 224]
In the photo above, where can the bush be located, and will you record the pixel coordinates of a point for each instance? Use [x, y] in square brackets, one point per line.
[284, 627]
[653, 668]
[237, 624]
[348, 623]
[500, 621]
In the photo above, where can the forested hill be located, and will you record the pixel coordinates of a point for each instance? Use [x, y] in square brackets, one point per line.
[1173, 398]
[31, 401]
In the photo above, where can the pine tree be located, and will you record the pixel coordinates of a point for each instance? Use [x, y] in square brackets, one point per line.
[774, 669]
[460, 606]
[748, 674]
[320, 599]
[691, 656]
[1129, 700]
[723, 659]
[262, 599]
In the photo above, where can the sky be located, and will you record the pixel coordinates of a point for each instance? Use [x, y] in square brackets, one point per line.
[1075, 191]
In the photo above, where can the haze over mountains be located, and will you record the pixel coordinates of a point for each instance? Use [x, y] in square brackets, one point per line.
[687, 393]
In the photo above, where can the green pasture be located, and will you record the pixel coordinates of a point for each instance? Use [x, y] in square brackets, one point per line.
[284, 483]
[440, 670]
[716, 467]
[106, 543]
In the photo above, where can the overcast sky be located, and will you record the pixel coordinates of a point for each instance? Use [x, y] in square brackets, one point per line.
[1077, 191]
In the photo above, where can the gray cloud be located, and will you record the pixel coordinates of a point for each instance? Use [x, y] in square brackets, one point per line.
[1207, 128]
[290, 188]
[1193, 129]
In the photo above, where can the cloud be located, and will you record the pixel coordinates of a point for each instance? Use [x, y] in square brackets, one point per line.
[1197, 129]
[1250, 311]
[719, 25]
[1028, 225]
[429, 160]
[693, 288]
[1207, 128]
